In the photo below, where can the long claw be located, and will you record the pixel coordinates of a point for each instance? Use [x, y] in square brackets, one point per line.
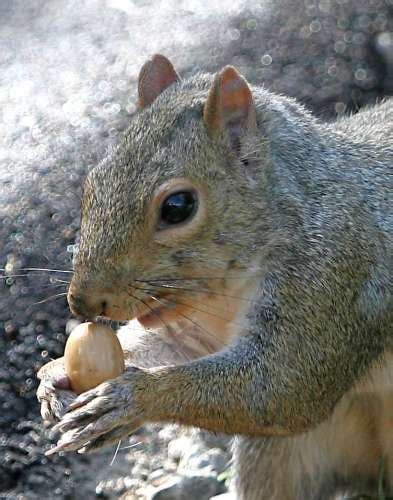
[59, 447]
[81, 400]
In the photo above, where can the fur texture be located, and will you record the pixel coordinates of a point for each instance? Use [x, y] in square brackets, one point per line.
[297, 227]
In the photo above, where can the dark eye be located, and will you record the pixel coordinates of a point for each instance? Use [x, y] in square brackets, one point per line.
[178, 207]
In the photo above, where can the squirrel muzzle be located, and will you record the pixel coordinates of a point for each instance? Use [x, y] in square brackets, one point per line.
[90, 303]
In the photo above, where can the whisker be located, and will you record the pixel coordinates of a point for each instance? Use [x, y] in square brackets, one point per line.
[166, 326]
[200, 310]
[27, 275]
[179, 303]
[44, 269]
[58, 295]
[149, 307]
[204, 311]
[21, 275]
[14, 275]
[54, 283]
[194, 323]
[131, 446]
[60, 281]
[115, 454]
[205, 290]
[197, 278]
[48, 285]
[177, 279]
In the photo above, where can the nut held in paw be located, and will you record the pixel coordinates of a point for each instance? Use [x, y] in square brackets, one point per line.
[92, 355]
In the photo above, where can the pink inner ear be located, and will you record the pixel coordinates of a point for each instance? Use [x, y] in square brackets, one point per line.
[236, 98]
[155, 76]
[230, 104]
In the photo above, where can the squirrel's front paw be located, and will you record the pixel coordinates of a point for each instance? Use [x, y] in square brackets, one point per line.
[101, 416]
[54, 392]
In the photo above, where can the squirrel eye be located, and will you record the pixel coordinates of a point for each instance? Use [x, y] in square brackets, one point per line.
[178, 207]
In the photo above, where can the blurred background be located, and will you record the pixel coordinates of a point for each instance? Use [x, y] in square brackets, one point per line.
[68, 72]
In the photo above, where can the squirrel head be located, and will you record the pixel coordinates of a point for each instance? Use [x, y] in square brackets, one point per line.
[175, 206]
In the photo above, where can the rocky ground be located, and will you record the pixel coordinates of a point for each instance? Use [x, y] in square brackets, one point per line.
[68, 70]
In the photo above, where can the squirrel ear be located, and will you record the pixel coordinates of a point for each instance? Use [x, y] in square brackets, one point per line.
[229, 107]
[154, 77]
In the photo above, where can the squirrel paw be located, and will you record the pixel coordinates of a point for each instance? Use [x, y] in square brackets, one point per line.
[54, 392]
[101, 416]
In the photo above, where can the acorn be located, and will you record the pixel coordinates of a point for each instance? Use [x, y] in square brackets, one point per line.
[92, 355]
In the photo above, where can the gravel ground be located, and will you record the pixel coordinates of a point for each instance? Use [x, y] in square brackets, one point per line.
[68, 70]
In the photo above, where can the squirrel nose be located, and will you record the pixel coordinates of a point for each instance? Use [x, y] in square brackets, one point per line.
[80, 305]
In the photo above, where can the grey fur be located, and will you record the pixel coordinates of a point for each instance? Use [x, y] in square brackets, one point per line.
[313, 207]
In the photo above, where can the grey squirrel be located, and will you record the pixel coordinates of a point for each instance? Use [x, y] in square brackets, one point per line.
[253, 244]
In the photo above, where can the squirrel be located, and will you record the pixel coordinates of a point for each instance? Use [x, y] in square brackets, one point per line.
[252, 243]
